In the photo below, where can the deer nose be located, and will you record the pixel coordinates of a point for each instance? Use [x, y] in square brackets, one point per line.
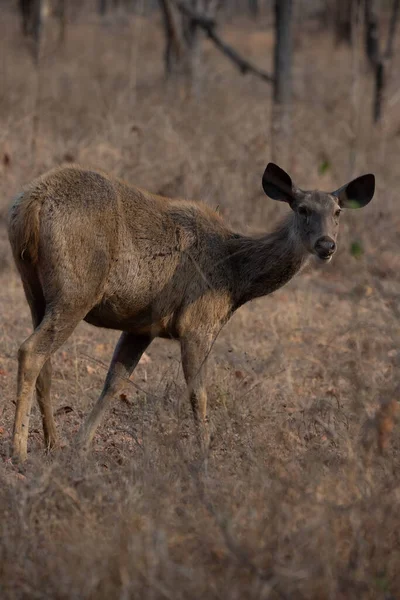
[325, 247]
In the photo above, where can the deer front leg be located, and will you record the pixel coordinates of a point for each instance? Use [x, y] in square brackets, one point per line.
[126, 356]
[195, 350]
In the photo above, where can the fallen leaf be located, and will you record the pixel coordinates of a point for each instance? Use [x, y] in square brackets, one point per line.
[90, 369]
[124, 398]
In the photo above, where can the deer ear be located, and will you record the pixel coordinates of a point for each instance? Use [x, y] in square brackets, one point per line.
[277, 184]
[357, 193]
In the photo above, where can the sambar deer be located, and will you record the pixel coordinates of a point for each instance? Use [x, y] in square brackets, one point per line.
[88, 246]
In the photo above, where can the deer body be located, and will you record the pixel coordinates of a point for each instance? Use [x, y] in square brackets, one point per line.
[90, 247]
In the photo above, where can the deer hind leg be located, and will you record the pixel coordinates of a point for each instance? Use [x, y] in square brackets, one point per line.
[53, 330]
[37, 305]
[195, 352]
[126, 356]
[43, 390]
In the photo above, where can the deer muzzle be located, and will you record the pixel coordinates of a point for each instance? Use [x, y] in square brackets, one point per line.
[325, 247]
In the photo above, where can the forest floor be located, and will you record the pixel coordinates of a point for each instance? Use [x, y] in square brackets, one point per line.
[301, 498]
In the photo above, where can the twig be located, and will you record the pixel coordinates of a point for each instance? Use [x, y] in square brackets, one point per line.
[132, 434]
[329, 430]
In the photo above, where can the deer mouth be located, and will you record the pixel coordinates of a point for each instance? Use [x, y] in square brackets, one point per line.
[325, 248]
[325, 257]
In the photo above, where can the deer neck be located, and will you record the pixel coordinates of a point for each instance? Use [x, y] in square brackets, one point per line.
[262, 265]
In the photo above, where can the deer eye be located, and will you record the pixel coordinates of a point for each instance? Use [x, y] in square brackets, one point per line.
[337, 213]
[303, 211]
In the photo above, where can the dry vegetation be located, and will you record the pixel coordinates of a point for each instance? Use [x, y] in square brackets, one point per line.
[302, 494]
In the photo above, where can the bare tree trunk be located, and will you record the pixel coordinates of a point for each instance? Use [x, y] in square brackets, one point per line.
[184, 26]
[254, 8]
[31, 13]
[282, 95]
[355, 96]
[37, 26]
[62, 18]
[392, 29]
[194, 35]
[376, 57]
[25, 8]
[343, 19]
[209, 25]
[371, 31]
[174, 50]
[102, 7]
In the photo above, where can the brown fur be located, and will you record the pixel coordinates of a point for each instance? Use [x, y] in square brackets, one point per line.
[88, 246]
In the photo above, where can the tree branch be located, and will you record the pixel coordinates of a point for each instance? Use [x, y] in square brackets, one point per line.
[197, 18]
[209, 26]
[243, 65]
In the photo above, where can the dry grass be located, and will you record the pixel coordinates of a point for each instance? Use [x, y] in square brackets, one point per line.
[298, 501]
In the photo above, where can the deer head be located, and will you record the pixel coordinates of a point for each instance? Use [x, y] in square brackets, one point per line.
[317, 213]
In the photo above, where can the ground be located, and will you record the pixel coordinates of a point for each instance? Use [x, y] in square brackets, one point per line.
[301, 497]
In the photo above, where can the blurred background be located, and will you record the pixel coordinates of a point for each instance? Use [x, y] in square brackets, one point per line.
[192, 98]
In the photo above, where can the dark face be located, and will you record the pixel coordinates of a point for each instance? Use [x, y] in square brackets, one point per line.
[317, 218]
[317, 213]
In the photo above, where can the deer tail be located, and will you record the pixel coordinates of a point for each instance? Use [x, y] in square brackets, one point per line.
[23, 227]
